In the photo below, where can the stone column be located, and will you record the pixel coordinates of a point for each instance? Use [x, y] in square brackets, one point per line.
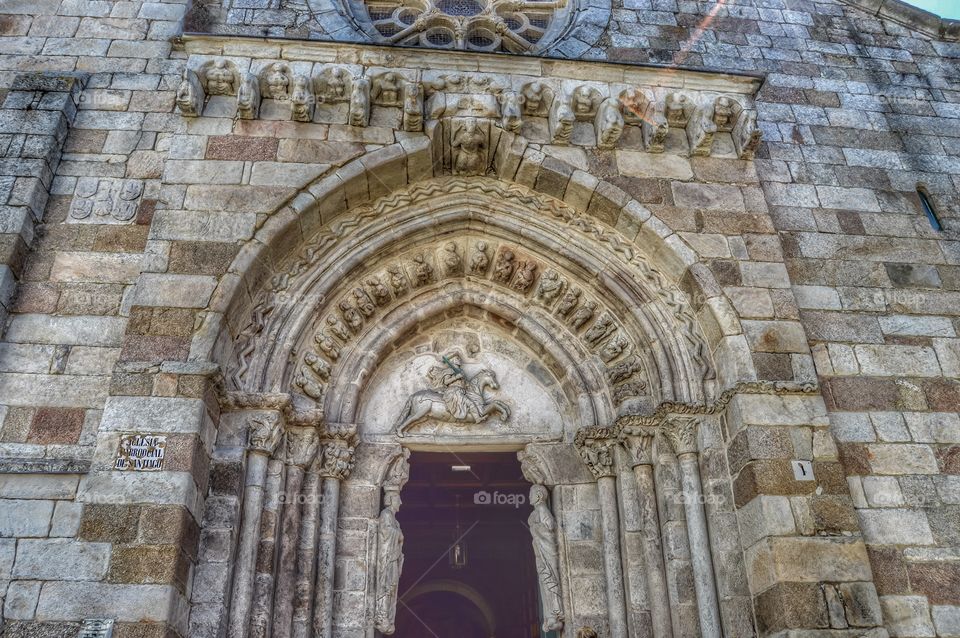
[681, 431]
[301, 450]
[261, 615]
[598, 455]
[307, 553]
[266, 428]
[336, 466]
[640, 449]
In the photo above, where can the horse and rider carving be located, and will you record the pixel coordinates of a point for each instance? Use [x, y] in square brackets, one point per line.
[457, 396]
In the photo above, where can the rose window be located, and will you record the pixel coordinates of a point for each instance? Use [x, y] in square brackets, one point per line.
[514, 26]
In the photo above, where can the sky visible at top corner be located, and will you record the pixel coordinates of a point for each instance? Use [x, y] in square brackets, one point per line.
[943, 8]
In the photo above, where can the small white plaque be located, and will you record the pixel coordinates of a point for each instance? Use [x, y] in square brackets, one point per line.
[140, 453]
[802, 470]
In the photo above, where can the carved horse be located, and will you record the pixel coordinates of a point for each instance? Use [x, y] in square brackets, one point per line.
[429, 403]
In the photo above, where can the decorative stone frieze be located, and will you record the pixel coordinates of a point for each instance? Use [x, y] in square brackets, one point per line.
[350, 85]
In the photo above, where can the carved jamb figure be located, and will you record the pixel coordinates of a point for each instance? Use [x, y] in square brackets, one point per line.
[338, 328]
[480, 261]
[350, 315]
[550, 286]
[389, 563]
[583, 314]
[526, 273]
[600, 329]
[422, 270]
[503, 269]
[452, 263]
[380, 293]
[398, 281]
[364, 303]
[569, 301]
[327, 345]
[543, 532]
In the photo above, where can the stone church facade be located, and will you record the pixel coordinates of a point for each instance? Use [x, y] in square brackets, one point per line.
[695, 264]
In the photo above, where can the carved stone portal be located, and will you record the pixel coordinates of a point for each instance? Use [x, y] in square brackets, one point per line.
[455, 397]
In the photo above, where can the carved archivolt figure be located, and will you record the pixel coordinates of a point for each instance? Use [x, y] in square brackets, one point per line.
[543, 532]
[397, 280]
[364, 304]
[338, 329]
[422, 270]
[549, 288]
[526, 273]
[380, 293]
[569, 301]
[600, 329]
[480, 261]
[328, 346]
[503, 270]
[452, 264]
[389, 563]
[351, 315]
[583, 314]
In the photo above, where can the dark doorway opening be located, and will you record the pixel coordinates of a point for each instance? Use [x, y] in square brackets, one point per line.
[495, 592]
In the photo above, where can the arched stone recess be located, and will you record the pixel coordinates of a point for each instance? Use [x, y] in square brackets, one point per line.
[391, 279]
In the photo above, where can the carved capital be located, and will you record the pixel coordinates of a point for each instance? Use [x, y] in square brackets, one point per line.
[265, 431]
[302, 446]
[639, 446]
[681, 431]
[598, 454]
[337, 459]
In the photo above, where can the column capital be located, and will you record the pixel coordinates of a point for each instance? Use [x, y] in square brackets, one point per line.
[598, 454]
[534, 466]
[265, 431]
[336, 461]
[638, 442]
[397, 472]
[302, 446]
[681, 431]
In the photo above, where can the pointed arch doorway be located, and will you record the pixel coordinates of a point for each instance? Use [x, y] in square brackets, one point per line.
[469, 567]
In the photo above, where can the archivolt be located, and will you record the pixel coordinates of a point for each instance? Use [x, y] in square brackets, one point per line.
[594, 257]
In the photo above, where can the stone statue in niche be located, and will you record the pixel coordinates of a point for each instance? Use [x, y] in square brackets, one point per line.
[380, 293]
[360, 102]
[248, 98]
[536, 99]
[677, 110]
[608, 124]
[412, 107]
[569, 301]
[331, 85]
[385, 90]
[510, 118]
[190, 95]
[584, 101]
[301, 100]
[277, 81]
[221, 79]
[398, 281]
[480, 261]
[455, 397]
[450, 258]
[338, 328]
[468, 143]
[503, 269]
[543, 531]
[526, 273]
[389, 562]
[583, 314]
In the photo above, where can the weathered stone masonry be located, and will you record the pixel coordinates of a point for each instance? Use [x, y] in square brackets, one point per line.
[169, 274]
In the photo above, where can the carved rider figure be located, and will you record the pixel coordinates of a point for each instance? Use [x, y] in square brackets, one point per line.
[450, 381]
